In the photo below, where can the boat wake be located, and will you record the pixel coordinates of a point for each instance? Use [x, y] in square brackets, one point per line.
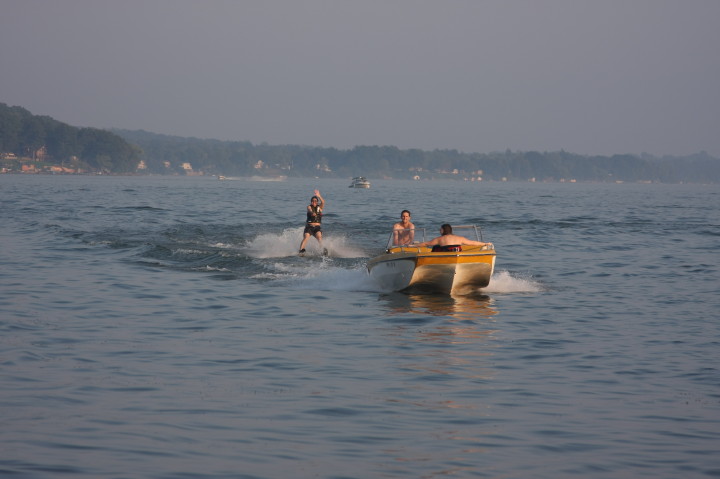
[344, 269]
[504, 282]
[271, 258]
[286, 243]
[328, 275]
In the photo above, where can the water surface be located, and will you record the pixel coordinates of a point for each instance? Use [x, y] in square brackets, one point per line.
[165, 328]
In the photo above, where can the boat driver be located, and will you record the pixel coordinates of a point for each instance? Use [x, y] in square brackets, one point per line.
[447, 238]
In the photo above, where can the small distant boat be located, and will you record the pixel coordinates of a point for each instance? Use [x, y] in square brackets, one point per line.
[360, 182]
[253, 178]
[268, 178]
[448, 270]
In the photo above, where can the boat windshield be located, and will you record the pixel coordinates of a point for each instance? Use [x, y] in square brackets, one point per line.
[408, 237]
[470, 232]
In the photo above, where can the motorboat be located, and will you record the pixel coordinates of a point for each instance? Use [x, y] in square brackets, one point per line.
[360, 182]
[453, 269]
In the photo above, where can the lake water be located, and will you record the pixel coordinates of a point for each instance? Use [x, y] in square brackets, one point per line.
[164, 328]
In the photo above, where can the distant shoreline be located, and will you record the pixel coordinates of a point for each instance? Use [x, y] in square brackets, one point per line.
[275, 179]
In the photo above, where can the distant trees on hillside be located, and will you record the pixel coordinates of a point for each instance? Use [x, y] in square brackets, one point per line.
[120, 151]
[24, 134]
[245, 159]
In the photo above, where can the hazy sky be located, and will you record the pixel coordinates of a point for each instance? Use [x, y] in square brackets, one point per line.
[586, 76]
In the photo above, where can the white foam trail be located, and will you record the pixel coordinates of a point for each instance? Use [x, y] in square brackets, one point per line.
[273, 245]
[321, 275]
[287, 243]
[314, 274]
[504, 282]
[336, 279]
[329, 278]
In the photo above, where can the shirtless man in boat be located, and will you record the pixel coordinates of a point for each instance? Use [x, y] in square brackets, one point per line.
[403, 230]
[447, 238]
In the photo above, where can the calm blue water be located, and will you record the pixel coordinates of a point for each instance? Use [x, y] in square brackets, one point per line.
[164, 328]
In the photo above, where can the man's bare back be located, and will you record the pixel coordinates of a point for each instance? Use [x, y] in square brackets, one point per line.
[447, 239]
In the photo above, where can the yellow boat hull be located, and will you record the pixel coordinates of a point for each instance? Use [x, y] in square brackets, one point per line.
[418, 269]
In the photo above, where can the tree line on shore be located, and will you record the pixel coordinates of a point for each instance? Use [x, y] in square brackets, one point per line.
[22, 134]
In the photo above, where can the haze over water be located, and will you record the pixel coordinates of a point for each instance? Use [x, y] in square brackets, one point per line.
[165, 328]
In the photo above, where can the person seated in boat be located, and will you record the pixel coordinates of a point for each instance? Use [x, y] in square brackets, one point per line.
[447, 240]
[403, 230]
[313, 226]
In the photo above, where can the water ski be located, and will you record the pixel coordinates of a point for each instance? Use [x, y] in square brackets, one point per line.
[324, 252]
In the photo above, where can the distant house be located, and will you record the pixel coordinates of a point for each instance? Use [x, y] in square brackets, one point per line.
[41, 154]
[189, 170]
[61, 169]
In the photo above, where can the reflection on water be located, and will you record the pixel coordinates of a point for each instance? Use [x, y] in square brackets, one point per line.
[467, 316]
[441, 348]
[470, 307]
[466, 324]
